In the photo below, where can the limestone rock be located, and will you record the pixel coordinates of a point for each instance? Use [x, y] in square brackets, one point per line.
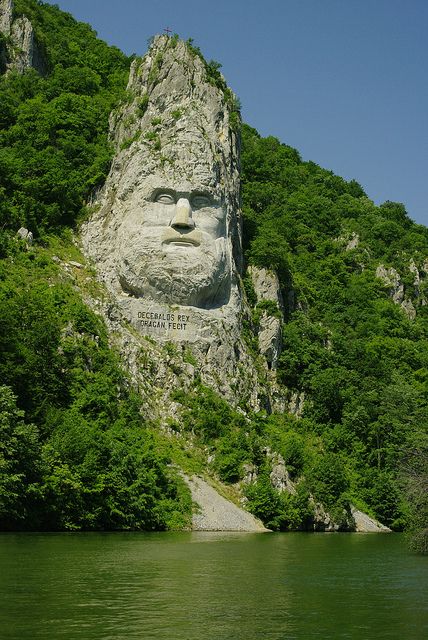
[279, 476]
[215, 513]
[349, 240]
[165, 234]
[22, 51]
[391, 278]
[26, 235]
[295, 405]
[267, 288]
[366, 524]
[249, 474]
[322, 520]
[270, 338]
[353, 241]
[408, 308]
[6, 16]
[419, 282]
[266, 285]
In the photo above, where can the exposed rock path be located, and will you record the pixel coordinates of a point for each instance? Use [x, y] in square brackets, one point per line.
[216, 513]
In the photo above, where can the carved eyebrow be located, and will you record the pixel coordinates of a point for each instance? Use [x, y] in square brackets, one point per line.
[157, 194]
[199, 199]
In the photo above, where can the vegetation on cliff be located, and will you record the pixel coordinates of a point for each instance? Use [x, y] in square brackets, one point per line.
[53, 130]
[358, 358]
[76, 452]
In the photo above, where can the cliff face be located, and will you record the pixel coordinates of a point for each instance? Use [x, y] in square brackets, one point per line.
[20, 50]
[165, 235]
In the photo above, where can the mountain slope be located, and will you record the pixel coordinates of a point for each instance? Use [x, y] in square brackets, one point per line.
[351, 368]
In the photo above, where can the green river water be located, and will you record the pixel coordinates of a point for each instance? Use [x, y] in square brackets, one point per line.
[214, 586]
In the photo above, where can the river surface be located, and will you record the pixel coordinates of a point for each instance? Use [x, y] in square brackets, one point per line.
[211, 586]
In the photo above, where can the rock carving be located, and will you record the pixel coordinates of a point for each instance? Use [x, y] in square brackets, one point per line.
[165, 235]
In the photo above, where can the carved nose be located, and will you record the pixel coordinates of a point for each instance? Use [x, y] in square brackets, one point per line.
[183, 215]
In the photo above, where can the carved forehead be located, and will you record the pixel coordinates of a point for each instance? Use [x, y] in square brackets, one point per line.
[146, 185]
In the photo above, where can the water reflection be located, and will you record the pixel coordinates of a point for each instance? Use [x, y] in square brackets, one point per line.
[210, 586]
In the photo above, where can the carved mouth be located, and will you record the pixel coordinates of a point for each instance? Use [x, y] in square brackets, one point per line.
[182, 243]
[191, 239]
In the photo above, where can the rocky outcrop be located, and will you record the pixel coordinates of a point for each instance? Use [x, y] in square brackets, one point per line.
[296, 403]
[215, 513]
[353, 241]
[165, 234]
[267, 289]
[6, 16]
[392, 279]
[366, 524]
[20, 50]
[322, 520]
[25, 234]
[279, 476]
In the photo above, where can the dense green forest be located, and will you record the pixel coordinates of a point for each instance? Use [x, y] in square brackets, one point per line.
[76, 452]
[357, 357]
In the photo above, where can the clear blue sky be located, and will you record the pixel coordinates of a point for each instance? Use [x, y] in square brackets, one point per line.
[343, 81]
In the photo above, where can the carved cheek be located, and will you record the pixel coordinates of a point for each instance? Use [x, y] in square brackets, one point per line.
[211, 224]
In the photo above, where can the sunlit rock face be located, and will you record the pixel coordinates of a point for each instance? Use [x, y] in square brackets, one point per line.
[172, 246]
[20, 52]
[165, 232]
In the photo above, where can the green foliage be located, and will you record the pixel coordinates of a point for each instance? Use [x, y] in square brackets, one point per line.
[353, 353]
[414, 481]
[129, 141]
[278, 511]
[19, 453]
[75, 451]
[143, 105]
[206, 414]
[53, 130]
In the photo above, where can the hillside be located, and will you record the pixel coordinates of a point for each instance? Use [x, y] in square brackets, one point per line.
[341, 410]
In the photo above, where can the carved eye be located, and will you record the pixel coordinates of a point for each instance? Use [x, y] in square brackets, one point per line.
[165, 198]
[201, 201]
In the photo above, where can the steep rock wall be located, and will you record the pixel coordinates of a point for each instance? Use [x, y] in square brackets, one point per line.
[165, 234]
[20, 50]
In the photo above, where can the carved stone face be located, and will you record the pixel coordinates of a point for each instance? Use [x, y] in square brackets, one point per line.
[173, 246]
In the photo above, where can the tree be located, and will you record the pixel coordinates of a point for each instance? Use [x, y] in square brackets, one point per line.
[19, 463]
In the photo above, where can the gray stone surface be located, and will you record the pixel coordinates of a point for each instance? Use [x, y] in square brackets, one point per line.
[279, 476]
[266, 285]
[215, 513]
[391, 278]
[24, 234]
[353, 242]
[270, 338]
[296, 403]
[6, 15]
[267, 288]
[168, 225]
[165, 233]
[366, 524]
[22, 51]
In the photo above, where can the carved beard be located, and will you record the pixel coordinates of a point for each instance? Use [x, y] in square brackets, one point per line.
[193, 276]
